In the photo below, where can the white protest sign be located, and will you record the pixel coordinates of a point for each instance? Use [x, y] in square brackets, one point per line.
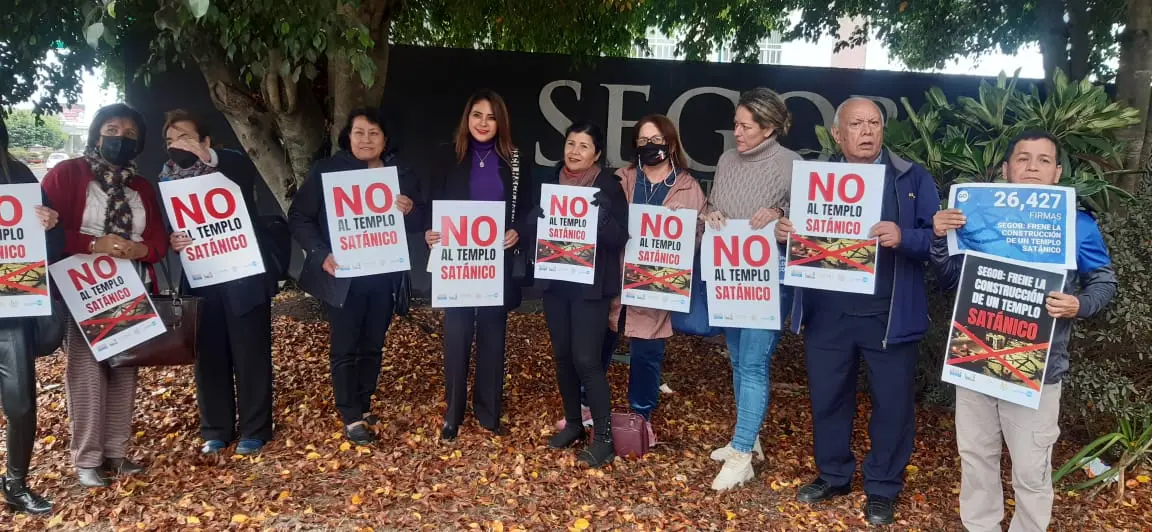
[211, 210]
[23, 253]
[468, 263]
[365, 225]
[566, 236]
[741, 268]
[658, 258]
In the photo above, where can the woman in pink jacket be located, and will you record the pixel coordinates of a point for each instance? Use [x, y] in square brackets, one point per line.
[657, 176]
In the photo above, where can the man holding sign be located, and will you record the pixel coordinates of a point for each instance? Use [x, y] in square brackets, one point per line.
[884, 326]
[982, 421]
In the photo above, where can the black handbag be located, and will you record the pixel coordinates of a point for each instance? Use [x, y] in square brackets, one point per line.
[176, 347]
[50, 330]
[403, 295]
[276, 244]
[518, 264]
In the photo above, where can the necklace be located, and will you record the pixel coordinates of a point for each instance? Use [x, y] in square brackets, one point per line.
[649, 188]
[482, 159]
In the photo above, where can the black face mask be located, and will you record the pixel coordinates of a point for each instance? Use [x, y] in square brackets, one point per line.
[183, 159]
[117, 150]
[652, 154]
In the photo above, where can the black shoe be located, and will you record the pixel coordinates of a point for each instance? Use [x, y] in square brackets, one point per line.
[359, 434]
[572, 434]
[21, 499]
[599, 454]
[448, 432]
[91, 477]
[880, 510]
[371, 420]
[500, 430]
[820, 490]
[122, 466]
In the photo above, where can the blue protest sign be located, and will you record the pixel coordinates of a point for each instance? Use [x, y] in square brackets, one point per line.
[1035, 224]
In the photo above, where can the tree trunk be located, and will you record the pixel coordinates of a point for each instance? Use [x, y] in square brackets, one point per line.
[254, 127]
[1134, 86]
[1079, 40]
[347, 90]
[1053, 36]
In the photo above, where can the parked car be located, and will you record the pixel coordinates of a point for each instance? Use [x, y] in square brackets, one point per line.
[55, 159]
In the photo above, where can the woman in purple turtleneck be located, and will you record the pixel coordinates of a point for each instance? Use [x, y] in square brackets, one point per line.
[479, 167]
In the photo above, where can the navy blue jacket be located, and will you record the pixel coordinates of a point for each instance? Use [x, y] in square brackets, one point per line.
[919, 200]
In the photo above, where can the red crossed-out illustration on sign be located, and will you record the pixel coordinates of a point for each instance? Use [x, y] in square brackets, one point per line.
[998, 355]
[649, 278]
[834, 254]
[108, 324]
[560, 253]
[6, 280]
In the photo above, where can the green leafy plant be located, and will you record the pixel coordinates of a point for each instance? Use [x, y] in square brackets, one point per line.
[966, 140]
[1134, 440]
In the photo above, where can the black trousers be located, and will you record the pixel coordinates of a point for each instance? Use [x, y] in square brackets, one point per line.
[577, 329]
[234, 372]
[834, 345]
[358, 331]
[18, 395]
[489, 324]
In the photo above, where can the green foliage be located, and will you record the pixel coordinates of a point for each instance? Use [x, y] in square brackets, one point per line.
[966, 140]
[43, 52]
[1132, 439]
[25, 129]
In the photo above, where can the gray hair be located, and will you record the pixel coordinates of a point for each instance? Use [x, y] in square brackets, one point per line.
[768, 109]
[840, 109]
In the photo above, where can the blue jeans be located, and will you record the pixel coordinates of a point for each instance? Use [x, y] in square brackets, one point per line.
[750, 351]
[644, 374]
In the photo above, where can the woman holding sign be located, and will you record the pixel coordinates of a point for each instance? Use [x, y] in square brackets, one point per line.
[105, 208]
[359, 308]
[753, 182]
[658, 176]
[481, 165]
[576, 312]
[17, 362]
[235, 333]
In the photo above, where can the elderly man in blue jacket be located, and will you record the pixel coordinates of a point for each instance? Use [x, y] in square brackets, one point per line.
[982, 421]
[883, 328]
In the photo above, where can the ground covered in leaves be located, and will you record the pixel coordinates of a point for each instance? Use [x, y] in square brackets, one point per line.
[309, 478]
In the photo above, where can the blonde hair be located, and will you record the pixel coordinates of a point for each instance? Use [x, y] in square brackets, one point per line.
[768, 109]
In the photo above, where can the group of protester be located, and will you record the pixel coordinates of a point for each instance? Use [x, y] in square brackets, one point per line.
[106, 206]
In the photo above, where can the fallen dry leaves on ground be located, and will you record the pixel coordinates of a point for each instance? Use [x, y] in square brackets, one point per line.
[310, 478]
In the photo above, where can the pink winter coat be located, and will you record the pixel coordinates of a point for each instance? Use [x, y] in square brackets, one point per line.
[652, 323]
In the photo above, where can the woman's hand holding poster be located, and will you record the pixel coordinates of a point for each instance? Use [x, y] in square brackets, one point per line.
[210, 209]
[1029, 223]
[741, 267]
[23, 253]
[468, 263]
[566, 236]
[1001, 333]
[107, 299]
[658, 258]
[366, 226]
[834, 207]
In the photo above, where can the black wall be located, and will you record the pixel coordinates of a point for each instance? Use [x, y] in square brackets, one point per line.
[427, 88]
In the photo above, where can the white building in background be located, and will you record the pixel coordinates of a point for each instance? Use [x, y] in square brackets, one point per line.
[663, 47]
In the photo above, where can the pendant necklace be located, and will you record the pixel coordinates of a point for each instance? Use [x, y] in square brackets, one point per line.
[482, 159]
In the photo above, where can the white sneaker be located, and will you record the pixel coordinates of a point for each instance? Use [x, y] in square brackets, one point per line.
[726, 451]
[736, 471]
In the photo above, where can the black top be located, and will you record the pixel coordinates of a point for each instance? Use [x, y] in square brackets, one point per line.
[611, 238]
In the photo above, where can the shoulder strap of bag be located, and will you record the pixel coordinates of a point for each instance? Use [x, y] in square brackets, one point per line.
[515, 180]
[173, 288]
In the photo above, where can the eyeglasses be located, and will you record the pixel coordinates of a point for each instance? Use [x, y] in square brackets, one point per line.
[657, 139]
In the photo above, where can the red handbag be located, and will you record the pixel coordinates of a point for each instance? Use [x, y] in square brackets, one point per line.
[629, 435]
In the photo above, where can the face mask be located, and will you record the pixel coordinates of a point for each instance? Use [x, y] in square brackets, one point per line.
[183, 159]
[117, 150]
[652, 154]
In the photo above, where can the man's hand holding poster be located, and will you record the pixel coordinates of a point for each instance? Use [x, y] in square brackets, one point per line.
[23, 253]
[834, 207]
[566, 236]
[1001, 333]
[210, 209]
[1029, 223]
[658, 258]
[366, 226]
[741, 268]
[107, 299]
[468, 263]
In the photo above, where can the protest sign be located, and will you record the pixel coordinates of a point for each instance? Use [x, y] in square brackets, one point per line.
[1028, 223]
[1001, 333]
[658, 258]
[210, 209]
[468, 263]
[741, 267]
[365, 225]
[108, 300]
[23, 253]
[834, 207]
[566, 236]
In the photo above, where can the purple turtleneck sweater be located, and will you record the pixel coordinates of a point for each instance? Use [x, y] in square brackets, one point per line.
[485, 183]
